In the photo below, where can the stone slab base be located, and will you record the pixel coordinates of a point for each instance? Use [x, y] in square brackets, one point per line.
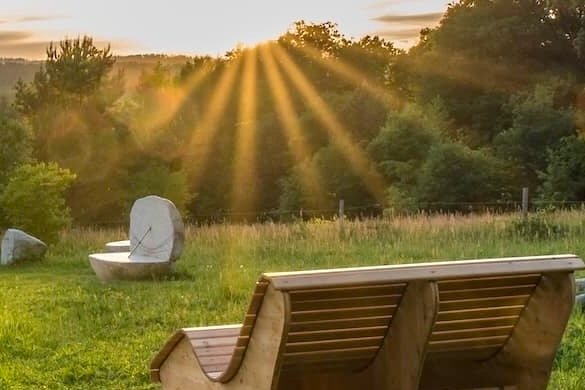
[117, 266]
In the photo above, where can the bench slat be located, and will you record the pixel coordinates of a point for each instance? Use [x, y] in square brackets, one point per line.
[333, 314]
[489, 282]
[488, 322]
[338, 303]
[348, 291]
[482, 292]
[466, 304]
[335, 334]
[314, 346]
[480, 313]
[340, 324]
[472, 333]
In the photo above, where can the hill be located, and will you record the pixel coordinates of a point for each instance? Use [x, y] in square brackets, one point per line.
[11, 69]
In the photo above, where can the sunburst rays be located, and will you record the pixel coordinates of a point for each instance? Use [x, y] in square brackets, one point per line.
[244, 191]
[310, 180]
[338, 135]
[199, 146]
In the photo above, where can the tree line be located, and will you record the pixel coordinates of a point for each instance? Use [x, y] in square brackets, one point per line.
[488, 102]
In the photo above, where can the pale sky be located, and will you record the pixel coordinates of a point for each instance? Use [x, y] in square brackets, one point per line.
[199, 27]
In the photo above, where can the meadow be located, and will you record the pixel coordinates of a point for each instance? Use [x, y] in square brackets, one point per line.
[60, 328]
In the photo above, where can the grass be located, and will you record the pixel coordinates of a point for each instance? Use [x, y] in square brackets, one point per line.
[62, 329]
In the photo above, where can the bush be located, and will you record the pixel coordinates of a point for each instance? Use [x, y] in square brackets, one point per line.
[34, 201]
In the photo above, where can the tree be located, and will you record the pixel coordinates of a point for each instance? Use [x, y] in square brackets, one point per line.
[453, 174]
[538, 124]
[564, 177]
[15, 143]
[34, 200]
[73, 71]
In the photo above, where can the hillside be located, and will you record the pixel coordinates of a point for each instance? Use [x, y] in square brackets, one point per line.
[11, 69]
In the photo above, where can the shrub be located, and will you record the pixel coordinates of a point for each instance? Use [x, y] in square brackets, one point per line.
[34, 201]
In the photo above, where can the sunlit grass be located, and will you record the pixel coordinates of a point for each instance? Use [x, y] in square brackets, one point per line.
[62, 329]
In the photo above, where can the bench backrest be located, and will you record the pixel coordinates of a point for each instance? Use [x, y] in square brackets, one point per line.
[338, 319]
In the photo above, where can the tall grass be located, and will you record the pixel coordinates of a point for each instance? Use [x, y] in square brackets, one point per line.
[62, 329]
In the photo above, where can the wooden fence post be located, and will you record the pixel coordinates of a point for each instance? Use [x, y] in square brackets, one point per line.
[525, 202]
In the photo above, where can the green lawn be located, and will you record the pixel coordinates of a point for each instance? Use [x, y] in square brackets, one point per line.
[62, 329]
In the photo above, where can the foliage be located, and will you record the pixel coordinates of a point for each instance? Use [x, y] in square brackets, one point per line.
[538, 124]
[454, 175]
[153, 178]
[15, 143]
[564, 177]
[33, 200]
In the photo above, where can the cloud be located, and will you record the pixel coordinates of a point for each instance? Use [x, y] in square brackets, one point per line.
[18, 44]
[430, 18]
[11, 36]
[400, 34]
[38, 18]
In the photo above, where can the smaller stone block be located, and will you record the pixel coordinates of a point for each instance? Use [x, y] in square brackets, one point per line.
[118, 246]
[18, 245]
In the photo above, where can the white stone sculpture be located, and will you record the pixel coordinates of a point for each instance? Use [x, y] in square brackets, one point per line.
[156, 242]
[18, 245]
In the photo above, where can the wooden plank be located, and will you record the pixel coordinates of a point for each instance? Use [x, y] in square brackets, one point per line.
[331, 355]
[488, 282]
[212, 331]
[351, 323]
[482, 292]
[480, 313]
[465, 304]
[472, 333]
[334, 334]
[488, 322]
[346, 313]
[348, 291]
[471, 354]
[338, 303]
[437, 271]
[214, 342]
[327, 366]
[340, 344]
[463, 344]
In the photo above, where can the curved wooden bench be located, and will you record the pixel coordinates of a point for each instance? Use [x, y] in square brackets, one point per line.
[456, 325]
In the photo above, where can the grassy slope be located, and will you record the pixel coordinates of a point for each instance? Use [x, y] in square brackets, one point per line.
[60, 328]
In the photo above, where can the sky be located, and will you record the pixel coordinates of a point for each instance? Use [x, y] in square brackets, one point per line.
[193, 27]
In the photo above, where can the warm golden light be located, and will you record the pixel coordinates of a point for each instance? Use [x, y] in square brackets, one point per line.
[168, 100]
[310, 180]
[244, 169]
[198, 148]
[351, 74]
[338, 135]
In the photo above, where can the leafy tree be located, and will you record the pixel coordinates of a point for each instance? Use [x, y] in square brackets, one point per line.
[34, 201]
[15, 143]
[402, 145]
[564, 177]
[154, 178]
[453, 174]
[538, 125]
[73, 71]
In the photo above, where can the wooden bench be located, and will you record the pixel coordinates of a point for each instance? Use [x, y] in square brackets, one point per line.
[478, 324]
